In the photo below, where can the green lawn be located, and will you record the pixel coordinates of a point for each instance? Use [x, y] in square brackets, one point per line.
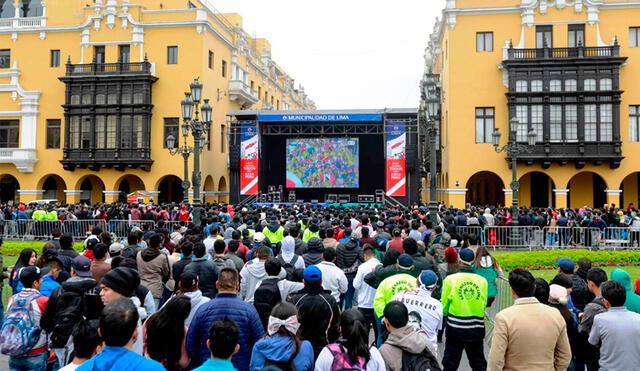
[548, 274]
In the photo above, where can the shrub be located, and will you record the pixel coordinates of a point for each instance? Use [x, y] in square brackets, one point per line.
[547, 259]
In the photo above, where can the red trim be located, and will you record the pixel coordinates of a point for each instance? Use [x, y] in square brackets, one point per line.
[42, 349]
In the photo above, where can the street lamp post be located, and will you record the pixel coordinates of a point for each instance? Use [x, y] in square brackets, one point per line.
[514, 149]
[430, 113]
[199, 129]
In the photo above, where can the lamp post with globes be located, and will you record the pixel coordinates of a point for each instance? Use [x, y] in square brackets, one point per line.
[199, 129]
[430, 113]
[513, 148]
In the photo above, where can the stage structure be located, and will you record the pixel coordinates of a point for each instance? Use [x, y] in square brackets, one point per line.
[324, 157]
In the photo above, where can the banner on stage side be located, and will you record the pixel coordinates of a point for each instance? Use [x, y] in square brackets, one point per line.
[249, 155]
[396, 159]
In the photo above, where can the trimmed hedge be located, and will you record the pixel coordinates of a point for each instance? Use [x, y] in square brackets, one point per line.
[547, 259]
[13, 248]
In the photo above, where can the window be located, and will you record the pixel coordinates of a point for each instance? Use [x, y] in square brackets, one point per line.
[589, 84]
[576, 35]
[138, 140]
[536, 85]
[606, 84]
[172, 55]
[99, 54]
[544, 37]
[570, 85]
[9, 133]
[224, 68]
[85, 135]
[555, 123]
[55, 58]
[634, 37]
[126, 126]
[171, 127]
[522, 114]
[5, 58]
[634, 123]
[223, 138]
[521, 86]
[210, 59]
[485, 118]
[259, 91]
[74, 132]
[537, 122]
[484, 41]
[112, 131]
[590, 123]
[124, 54]
[53, 133]
[555, 85]
[252, 84]
[606, 122]
[100, 132]
[571, 123]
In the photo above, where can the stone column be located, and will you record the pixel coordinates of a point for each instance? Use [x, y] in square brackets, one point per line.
[28, 195]
[613, 196]
[456, 197]
[561, 198]
[73, 195]
[111, 196]
[508, 197]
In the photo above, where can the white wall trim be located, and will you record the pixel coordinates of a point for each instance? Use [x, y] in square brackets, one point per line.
[452, 191]
[561, 192]
[73, 192]
[613, 192]
[31, 192]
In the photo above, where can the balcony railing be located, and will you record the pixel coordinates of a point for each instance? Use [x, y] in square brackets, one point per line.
[565, 53]
[119, 158]
[242, 93]
[108, 68]
[22, 158]
[29, 22]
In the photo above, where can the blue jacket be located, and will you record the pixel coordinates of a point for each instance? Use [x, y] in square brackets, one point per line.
[117, 358]
[49, 284]
[280, 348]
[224, 305]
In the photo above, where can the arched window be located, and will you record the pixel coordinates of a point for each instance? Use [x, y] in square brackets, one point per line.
[6, 9]
[31, 8]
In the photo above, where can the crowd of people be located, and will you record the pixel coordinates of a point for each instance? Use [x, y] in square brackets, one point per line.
[304, 288]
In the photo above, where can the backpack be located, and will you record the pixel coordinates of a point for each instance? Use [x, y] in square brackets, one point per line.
[265, 298]
[342, 360]
[19, 333]
[289, 267]
[70, 309]
[281, 365]
[382, 244]
[220, 262]
[424, 361]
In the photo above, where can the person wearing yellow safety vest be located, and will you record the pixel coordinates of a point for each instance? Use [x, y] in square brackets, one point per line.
[400, 281]
[52, 214]
[312, 231]
[274, 231]
[464, 300]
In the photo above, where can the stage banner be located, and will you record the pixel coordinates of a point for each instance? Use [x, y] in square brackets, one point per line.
[396, 158]
[249, 155]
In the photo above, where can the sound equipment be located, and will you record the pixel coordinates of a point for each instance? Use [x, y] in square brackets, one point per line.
[234, 157]
[379, 196]
[277, 196]
[331, 198]
[292, 196]
[366, 199]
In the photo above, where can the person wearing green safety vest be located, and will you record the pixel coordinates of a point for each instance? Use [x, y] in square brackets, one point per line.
[312, 231]
[401, 281]
[39, 214]
[274, 231]
[464, 300]
[38, 227]
[52, 214]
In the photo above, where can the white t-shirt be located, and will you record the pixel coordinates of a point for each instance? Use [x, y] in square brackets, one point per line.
[69, 367]
[366, 293]
[430, 310]
[325, 360]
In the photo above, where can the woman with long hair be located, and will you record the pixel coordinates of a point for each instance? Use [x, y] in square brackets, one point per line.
[489, 268]
[352, 351]
[27, 257]
[281, 347]
[164, 334]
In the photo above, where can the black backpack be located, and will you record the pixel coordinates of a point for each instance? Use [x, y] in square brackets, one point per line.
[280, 365]
[71, 308]
[289, 267]
[265, 298]
[424, 361]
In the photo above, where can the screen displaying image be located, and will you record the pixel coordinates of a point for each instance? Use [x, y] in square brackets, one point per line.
[322, 163]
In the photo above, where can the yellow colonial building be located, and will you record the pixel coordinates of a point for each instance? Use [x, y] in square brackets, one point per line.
[566, 70]
[90, 91]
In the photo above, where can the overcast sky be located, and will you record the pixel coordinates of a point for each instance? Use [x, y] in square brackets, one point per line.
[346, 53]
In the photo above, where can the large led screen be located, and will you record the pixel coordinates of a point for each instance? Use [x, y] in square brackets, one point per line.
[322, 163]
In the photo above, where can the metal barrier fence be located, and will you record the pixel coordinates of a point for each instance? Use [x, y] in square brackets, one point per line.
[503, 300]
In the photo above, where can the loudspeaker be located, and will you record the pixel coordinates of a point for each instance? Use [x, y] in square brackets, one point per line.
[277, 196]
[366, 199]
[292, 196]
[379, 196]
[331, 198]
[412, 157]
[353, 198]
[344, 199]
[234, 157]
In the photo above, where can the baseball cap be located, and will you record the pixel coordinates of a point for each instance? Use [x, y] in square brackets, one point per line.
[28, 275]
[312, 274]
[258, 237]
[115, 248]
[82, 265]
[405, 261]
[380, 224]
[566, 264]
[428, 279]
[466, 256]
[91, 243]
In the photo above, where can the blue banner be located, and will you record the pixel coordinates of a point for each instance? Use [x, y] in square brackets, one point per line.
[320, 117]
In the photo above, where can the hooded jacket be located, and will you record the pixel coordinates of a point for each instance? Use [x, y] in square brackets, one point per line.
[403, 339]
[251, 275]
[118, 358]
[348, 254]
[313, 255]
[274, 232]
[279, 348]
[633, 300]
[301, 247]
[207, 273]
[197, 299]
[287, 251]
[154, 269]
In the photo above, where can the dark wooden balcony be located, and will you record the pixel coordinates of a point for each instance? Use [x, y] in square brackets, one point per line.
[578, 153]
[117, 158]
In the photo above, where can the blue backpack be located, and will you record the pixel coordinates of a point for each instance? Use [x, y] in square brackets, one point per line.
[19, 333]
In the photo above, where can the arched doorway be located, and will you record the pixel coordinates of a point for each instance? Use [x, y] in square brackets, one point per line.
[53, 186]
[485, 188]
[630, 187]
[6, 9]
[170, 188]
[31, 8]
[222, 187]
[92, 189]
[536, 190]
[586, 189]
[9, 187]
[209, 188]
[128, 184]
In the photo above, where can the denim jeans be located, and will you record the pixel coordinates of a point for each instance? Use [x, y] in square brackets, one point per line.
[348, 296]
[36, 362]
